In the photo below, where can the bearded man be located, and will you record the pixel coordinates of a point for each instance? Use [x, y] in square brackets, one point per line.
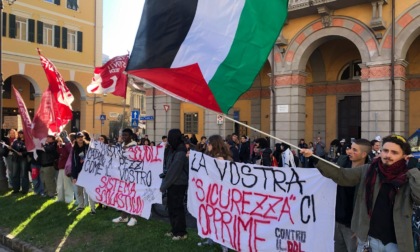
[386, 191]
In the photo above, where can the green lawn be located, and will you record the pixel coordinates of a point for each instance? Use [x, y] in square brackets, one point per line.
[56, 226]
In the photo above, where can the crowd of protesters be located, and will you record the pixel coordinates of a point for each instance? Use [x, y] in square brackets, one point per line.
[365, 218]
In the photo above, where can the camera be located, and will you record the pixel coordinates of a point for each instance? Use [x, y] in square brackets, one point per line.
[162, 175]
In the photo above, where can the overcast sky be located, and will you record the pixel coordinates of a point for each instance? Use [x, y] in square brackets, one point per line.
[121, 20]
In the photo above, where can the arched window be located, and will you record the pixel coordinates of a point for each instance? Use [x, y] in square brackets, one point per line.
[350, 71]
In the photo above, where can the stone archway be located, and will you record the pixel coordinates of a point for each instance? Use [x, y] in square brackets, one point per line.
[407, 30]
[290, 71]
[30, 91]
[407, 36]
[305, 42]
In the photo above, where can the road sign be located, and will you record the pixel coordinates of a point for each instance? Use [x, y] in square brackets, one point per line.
[146, 118]
[220, 119]
[135, 114]
[134, 123]
[166, 107]
[102, 117]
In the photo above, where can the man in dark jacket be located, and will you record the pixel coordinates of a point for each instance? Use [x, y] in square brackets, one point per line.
[20, 176]
[244, 151]
[302, 159]
[233, 146]
[48, 160]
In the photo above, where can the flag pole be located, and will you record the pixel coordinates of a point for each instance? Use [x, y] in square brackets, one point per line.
[238, 122]
[123, 116]
[278, 139]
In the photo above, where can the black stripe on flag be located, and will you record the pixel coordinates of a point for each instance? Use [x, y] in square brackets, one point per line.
[163, 27]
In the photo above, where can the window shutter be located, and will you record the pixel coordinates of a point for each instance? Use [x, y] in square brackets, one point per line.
[12, 26]
[56, 36]
[79, 41]
[40, 32]
[57, 2]
[4, 20]
[31, 28]
[64, 38]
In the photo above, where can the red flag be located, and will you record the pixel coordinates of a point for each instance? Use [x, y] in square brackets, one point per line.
[110, 78]
[60, 97]
[26, 121]
[43, 116]
[43, 119]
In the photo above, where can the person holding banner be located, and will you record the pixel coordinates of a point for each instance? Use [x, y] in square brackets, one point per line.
[386, 190]
[103, 139]
[127, 141]
[80, 149]
[218, 149]
[175, 183]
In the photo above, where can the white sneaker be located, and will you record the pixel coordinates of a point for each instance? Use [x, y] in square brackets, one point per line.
[132, 222]
[120, 219]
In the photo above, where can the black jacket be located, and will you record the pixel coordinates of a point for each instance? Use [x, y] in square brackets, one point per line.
[234, 150]
[277, 154]
[244, 152]
[49, 155]
[76, 163]
[345, 197]
[266, 157]
[19, 146]
[177, 166]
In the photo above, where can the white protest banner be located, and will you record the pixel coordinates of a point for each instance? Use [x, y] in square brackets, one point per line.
[126, 179]
[255, 208]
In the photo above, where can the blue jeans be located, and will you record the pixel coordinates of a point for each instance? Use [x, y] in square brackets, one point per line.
[20, 175]
[302, 160]
[9, 164]
[377, 245]
[36, 180]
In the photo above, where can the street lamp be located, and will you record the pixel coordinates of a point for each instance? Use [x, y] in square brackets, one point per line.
[94, 110]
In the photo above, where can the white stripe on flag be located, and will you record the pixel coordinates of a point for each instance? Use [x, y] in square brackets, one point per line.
[211, 35]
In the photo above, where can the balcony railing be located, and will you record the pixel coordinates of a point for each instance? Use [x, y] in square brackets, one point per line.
[299, 8]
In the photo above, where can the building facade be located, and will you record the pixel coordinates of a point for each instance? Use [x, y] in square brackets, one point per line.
[69, 33]
[340, 69]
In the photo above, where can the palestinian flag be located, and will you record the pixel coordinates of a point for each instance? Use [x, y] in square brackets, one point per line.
[205, 51]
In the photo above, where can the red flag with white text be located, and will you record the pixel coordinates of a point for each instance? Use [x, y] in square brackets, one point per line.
[26, 121]
[61, 97]
[110, 78]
